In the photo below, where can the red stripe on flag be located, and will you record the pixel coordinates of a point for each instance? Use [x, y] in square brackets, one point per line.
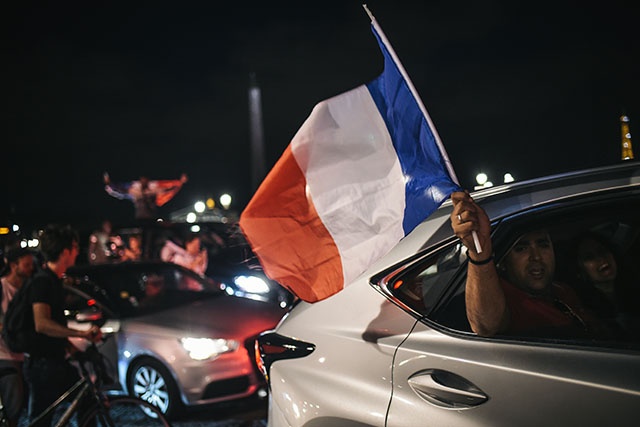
[286, 233]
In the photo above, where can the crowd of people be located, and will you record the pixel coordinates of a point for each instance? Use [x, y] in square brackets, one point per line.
[45, 371]
[107, 246]
[33, 380]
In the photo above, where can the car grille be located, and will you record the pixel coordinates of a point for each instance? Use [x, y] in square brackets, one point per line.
[226, 387]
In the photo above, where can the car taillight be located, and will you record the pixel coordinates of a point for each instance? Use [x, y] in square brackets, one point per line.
[270, 347]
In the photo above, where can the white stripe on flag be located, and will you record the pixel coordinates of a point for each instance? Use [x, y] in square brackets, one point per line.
[353, 177]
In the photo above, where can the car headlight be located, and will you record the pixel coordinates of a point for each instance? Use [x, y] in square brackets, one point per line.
[205, 348]
[251, 284]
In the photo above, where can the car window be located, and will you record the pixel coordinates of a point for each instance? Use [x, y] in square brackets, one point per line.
[602, 234]
[420, 288]
[135, 289]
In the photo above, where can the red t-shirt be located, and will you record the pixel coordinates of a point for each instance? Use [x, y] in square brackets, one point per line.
[558, 313]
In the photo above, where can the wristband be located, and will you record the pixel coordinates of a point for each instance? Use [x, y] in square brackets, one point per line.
[483, 262]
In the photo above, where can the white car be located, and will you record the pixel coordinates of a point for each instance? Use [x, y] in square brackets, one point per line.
[394, 348]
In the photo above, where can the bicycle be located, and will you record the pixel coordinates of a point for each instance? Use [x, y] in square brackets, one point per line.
[105, 409]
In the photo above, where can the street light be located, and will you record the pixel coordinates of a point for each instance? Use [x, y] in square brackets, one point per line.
[225, 201]
[199, 206]
[482, 180]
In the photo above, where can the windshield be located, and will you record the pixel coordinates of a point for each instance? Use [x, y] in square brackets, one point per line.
[142, 290]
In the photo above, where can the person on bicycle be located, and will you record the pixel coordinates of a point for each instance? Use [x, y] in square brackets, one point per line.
[47, 370]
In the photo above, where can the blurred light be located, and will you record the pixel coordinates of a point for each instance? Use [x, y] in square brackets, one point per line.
[199, 206]
[251, 284]
[488, 184]
[33, 243]
[225, 201]
[508, 178]
[211, 203]
[191, 217]
[481, 178]
[16, 228]
[204, 348]
[4, 230]
[195, 228]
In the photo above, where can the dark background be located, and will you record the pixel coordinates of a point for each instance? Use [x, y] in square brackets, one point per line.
[160, 88]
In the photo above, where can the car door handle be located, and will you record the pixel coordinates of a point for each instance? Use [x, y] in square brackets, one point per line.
[446, 389]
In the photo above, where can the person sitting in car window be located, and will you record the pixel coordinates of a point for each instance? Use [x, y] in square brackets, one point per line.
[133, 251]
[604, 284]
[519, 296]
[154, 292]
[193, 256]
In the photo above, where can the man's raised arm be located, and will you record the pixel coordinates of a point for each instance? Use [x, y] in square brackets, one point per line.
[487, 310]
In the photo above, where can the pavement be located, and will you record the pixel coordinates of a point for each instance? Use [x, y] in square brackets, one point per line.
[244, 413]
[247, 413]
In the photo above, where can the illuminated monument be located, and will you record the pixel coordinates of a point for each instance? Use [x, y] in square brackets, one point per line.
[627, 149]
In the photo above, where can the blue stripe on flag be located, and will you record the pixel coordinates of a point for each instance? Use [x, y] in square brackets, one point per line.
[428, 183]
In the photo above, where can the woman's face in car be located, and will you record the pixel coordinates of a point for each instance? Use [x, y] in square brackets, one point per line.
[596, 262]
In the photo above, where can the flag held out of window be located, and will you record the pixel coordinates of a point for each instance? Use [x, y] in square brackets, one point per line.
[365, 168]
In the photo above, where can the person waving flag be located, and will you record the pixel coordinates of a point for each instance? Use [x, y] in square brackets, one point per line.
[365, 168]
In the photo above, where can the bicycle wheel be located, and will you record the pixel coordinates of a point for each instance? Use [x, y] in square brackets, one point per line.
[125, 411]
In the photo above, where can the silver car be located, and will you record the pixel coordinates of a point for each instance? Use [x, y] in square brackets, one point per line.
[178, 339]
[394, 348]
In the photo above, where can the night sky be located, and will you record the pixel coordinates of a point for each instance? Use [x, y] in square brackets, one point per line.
[160, 88]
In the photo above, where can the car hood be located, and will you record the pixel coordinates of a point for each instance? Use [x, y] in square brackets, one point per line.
[221, 316]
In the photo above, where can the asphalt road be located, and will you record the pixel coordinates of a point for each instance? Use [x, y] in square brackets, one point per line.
[247, 413]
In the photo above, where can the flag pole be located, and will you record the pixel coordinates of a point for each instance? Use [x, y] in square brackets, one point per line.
[414, 92]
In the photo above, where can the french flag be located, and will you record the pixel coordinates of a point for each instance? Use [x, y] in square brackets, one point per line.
[365, 168]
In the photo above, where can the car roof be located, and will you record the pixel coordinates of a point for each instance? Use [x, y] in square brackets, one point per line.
[556, 187]
[508, 199]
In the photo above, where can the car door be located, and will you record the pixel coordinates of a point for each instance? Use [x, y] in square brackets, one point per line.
[445, 375]
[454, 380]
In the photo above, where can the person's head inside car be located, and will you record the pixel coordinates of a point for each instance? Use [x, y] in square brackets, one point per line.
[530, 263]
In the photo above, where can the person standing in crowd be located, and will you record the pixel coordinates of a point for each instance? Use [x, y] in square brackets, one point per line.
[100, 250]
[47, 371]
[146, 195]
[133, 250]
[192, 256]
[19, 267]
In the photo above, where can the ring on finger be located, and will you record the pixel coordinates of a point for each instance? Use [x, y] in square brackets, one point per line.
[460, 218]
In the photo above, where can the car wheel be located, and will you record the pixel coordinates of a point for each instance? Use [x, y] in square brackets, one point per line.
[149, 380]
